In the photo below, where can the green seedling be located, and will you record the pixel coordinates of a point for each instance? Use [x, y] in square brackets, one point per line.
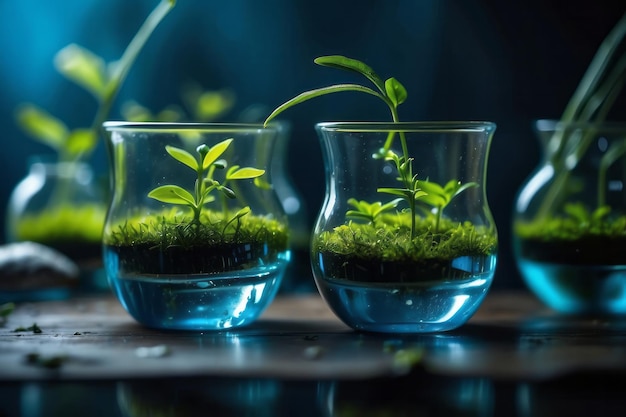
[205, 164]
[439, 197]
[202, 106]
[591, 102]
[62, 223]
[369, 211]
[558, 217]
[199, 106]
[392, 93]
[102, 80]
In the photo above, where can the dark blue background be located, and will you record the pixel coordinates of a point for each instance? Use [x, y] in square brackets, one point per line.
[505, 61]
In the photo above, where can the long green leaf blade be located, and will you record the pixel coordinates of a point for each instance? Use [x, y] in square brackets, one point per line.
[350, 64]
[595, 71]
[118, 73]
[404, 192]
[308, 95]
[464, 187]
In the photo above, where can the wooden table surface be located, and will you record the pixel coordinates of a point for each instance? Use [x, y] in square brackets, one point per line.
[511, 338]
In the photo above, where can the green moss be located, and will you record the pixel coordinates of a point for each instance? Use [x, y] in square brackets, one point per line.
[172, 228]
[568, 228]
[390, 239]
[63, 223]
[578, 236]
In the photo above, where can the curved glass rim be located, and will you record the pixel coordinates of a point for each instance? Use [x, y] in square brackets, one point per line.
[546, 125]
[187, 126]
[421, 126]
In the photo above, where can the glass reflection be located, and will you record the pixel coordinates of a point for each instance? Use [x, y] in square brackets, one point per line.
[412, 397]
[223, 397]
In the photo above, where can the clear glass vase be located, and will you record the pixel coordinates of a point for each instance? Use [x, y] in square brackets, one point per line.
[569, 221]
[195, 236]
[405, 240]
[62, 205]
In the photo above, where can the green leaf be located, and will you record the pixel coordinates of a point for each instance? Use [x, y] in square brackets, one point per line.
[395, 91]
[42, 126]
[241, 213]
[215, 152]
[403, 192]
[81, 141]
[308, 95]
[206, 197]
[183, 156]
[369, 211]
[464, 187]
[431, 187]
[350, 64]
[173, 194]
[220, 163]
[227, 192]
[357, 215]
[83, 68]
[600, 213]
[245, 173]
[433, 200]
[262, 184]
[117, 73]
[577, 211]
[209, 105]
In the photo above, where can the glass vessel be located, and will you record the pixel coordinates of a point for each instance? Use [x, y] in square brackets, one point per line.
[195, 237]
[405, 240]
[62, 205]
[569, 220]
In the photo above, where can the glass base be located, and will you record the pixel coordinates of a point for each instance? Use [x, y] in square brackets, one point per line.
[405, 307]
[197, 301]
[577, 289]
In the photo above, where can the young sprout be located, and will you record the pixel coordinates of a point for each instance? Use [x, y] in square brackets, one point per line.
[439, 197]
[89, 71]
[205, 165]
[393, 93]
[390, 91]
[369, 211]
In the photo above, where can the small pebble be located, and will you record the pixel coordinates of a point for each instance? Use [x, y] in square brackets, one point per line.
[31, 265]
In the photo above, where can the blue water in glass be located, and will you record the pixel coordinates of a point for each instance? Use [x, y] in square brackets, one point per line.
[410, 307]
[197, 301]
[577, 289]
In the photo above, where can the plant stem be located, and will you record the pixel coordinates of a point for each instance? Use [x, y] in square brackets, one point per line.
[128, 58]
[613, 154]
[199, 191]
[591, 101]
